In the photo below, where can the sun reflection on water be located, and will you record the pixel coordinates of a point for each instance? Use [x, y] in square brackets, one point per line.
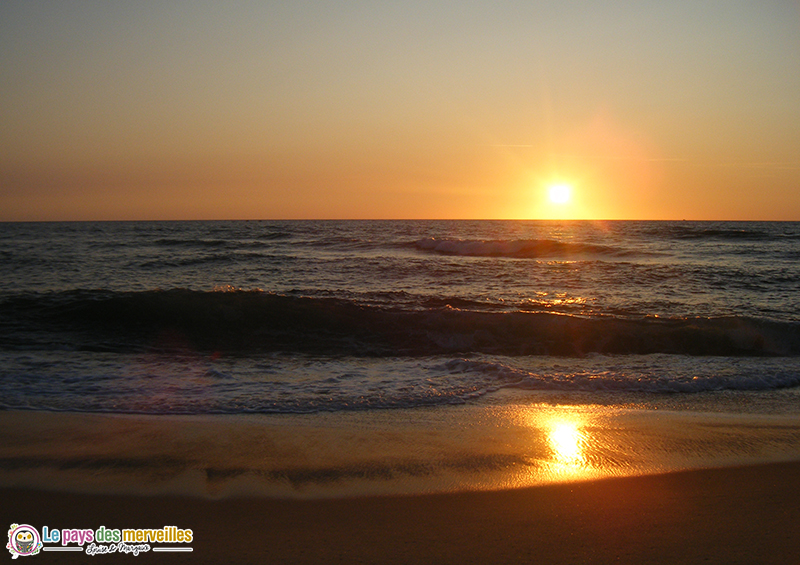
[555, 443]
[566, 442]
[569, 438]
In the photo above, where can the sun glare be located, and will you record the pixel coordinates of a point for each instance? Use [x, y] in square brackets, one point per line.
[560, 193]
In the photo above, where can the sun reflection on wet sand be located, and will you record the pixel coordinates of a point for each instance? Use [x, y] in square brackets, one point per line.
[568, 443]
[570, 440]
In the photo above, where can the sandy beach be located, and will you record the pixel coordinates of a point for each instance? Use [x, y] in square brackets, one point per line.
[745, 514]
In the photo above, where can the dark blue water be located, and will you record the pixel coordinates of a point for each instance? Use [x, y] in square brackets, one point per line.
[303, 316]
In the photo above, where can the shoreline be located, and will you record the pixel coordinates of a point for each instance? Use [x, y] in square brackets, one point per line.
[723, 515]
[461, 448]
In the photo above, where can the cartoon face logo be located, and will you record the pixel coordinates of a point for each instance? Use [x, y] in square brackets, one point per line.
[23, 540]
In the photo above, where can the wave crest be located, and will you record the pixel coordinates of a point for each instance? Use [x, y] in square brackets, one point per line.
[256, 321]
[516, 248]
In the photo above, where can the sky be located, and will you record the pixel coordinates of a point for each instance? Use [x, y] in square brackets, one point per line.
[416, 109]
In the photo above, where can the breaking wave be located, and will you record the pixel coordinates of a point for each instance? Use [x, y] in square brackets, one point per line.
[518, 248]
[257, 321]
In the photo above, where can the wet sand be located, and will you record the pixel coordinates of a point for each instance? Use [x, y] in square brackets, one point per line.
[386, 453]
[745, 514]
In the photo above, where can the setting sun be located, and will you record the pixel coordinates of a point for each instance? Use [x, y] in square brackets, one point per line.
[559, 193]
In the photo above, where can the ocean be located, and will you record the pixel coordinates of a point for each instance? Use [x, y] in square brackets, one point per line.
[453, 341]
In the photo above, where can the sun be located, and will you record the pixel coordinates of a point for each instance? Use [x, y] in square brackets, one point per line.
[559, 193]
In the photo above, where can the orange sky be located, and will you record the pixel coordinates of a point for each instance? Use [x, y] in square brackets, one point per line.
[430, 109]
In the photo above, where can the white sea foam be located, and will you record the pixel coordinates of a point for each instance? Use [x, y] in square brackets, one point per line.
[195, 384]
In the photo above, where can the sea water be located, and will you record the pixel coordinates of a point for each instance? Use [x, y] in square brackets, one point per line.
[469, 336]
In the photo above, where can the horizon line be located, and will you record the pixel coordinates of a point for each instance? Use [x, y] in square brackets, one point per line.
[96, 220]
